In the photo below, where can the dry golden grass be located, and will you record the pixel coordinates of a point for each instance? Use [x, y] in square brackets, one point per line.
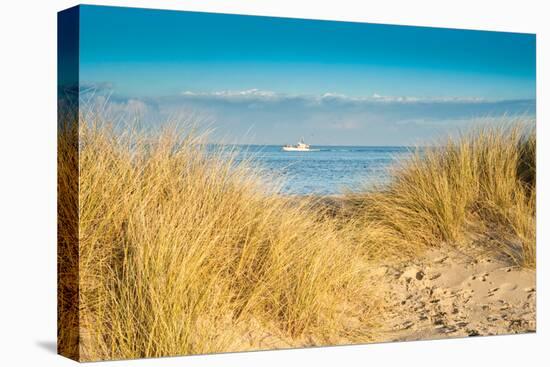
[182, 251]
[480, 186]
[67, 238]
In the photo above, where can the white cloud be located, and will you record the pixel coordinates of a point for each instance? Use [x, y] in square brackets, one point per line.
[238, 95]
[252, 95]
[332, 118]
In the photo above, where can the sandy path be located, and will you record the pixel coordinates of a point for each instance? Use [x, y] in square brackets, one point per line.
[446, 293]
[450, 294]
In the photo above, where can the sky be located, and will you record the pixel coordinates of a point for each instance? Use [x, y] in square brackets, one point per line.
[264, 80]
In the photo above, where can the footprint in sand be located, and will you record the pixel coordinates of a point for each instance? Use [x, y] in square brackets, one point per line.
[508, 286]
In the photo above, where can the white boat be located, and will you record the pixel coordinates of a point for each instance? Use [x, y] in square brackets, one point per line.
[300, 147]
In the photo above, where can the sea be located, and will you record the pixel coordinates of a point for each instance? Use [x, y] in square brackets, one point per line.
[333, 170]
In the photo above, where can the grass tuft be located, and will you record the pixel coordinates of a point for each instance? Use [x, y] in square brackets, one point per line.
[479, 186]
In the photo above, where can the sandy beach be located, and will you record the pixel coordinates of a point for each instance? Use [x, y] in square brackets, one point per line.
[449, 293]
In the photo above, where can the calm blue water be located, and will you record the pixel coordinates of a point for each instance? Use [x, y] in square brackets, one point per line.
[329, 171]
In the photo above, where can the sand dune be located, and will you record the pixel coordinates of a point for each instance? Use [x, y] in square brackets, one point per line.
[199, 257]
[449, 293]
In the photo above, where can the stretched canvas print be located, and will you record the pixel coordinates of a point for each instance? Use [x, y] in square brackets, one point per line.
[236, 183]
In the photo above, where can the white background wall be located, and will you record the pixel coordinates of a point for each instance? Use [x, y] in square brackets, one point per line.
[28, 180]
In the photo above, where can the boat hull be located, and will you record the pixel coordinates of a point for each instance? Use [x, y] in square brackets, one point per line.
[293, 149]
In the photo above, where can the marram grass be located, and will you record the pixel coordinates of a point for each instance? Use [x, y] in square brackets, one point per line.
[183, 250]
[478, 189]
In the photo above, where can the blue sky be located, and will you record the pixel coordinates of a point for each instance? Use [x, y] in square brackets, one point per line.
[270, 80]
